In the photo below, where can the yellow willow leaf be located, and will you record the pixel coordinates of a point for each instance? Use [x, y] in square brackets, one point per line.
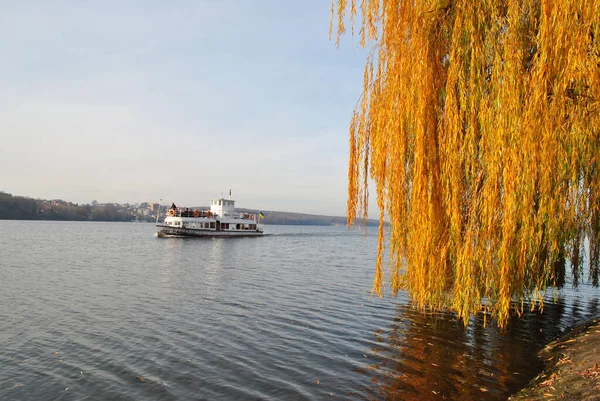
[479, 125]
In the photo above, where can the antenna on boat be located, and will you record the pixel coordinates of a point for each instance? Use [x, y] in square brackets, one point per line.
[230, 194]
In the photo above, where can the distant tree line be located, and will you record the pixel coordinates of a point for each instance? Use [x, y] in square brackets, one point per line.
[23, 208]
[289, 218]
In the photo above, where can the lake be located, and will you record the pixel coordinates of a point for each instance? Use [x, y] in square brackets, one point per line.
[107, 311]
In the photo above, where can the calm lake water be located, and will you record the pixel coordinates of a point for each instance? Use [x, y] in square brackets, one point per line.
[106, 311]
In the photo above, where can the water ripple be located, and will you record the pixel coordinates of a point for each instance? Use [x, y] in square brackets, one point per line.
[100, 311]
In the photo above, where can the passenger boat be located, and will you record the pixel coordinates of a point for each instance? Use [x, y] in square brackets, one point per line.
[220, 221]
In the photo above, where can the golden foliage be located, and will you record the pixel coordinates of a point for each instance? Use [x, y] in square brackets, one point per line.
[479, 125]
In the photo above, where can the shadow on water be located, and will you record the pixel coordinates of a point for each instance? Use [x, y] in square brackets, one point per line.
[433, 356]
[335, 234]
[274, 235]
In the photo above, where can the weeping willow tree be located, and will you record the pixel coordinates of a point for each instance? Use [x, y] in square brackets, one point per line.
[479, 127]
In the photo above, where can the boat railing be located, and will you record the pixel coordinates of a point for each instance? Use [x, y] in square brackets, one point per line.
[186, 212]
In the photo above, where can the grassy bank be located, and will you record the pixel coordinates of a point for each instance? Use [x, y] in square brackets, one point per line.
[572, 367]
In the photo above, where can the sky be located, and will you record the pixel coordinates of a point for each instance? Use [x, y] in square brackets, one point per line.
[135, 101]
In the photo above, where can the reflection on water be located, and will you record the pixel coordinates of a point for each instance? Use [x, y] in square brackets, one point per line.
[433, 356]
[109, 312]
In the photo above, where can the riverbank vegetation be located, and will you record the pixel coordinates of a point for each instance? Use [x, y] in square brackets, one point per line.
[23, 208]
[479, 125]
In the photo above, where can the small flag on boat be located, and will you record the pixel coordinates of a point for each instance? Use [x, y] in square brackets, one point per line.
[261, 214]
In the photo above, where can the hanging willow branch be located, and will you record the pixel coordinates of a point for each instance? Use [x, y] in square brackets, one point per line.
[479, 124]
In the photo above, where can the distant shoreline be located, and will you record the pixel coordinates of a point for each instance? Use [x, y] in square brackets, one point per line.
[299, 223]
[23, 208]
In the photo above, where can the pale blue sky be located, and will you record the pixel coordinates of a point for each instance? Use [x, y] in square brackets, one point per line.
[135, 101]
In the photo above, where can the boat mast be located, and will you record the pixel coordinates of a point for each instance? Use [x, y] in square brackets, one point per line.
[158, 211]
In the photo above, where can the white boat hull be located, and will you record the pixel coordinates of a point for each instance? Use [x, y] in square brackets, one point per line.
[163, 230]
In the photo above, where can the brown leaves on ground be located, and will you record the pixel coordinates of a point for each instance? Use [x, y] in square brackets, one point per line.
[550, 380]
[572, 368]
[593, 372]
